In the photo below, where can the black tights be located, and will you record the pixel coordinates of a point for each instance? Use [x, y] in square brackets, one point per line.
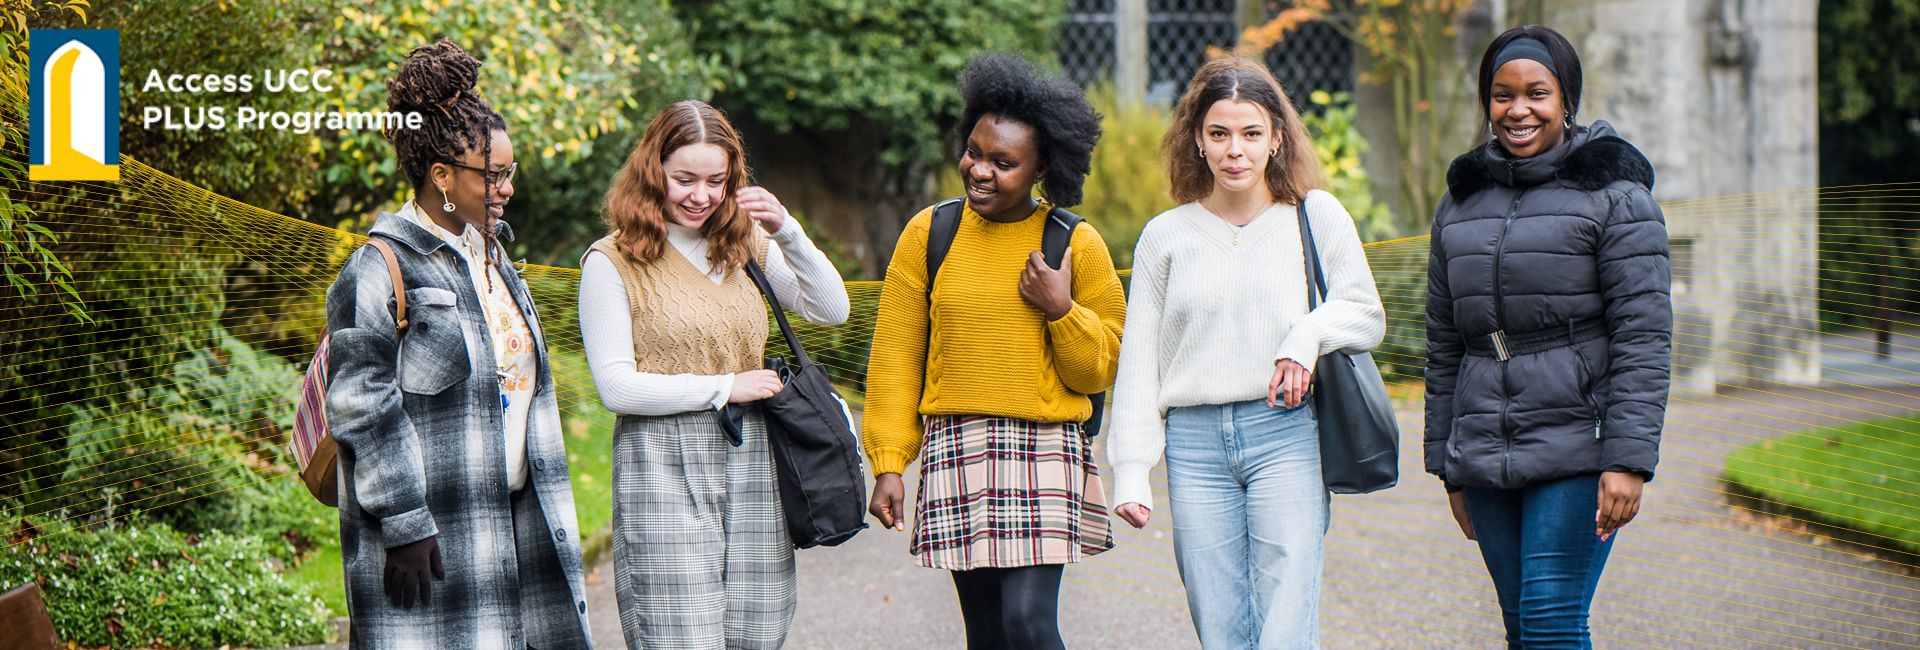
[1011, 608]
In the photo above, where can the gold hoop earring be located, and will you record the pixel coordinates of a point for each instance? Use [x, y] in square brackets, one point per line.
[1202, 151]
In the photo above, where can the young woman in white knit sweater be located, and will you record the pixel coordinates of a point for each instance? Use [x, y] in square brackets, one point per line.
[675, 332]
[1219, 353]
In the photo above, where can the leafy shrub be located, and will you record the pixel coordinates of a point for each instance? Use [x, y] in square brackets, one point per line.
[150, 586]
[1338, 144]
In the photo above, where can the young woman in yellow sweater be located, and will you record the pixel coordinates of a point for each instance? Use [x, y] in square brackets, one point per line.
[988, 369]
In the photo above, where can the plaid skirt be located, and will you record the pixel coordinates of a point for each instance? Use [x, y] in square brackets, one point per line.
[1005, 493]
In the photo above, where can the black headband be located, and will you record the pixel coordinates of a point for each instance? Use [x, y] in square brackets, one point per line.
[1525, 48]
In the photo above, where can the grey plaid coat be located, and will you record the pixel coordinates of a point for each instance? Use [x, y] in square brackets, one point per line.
[422, 452]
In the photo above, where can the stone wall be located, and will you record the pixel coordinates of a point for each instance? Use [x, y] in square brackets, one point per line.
[1721, 96]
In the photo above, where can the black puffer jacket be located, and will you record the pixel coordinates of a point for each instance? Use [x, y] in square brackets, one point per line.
[1566, 253]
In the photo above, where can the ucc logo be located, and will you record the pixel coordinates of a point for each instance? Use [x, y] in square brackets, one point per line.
[75, 93]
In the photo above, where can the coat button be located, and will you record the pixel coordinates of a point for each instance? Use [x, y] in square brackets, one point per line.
[539, 463]
[559, 533]
[583, 607]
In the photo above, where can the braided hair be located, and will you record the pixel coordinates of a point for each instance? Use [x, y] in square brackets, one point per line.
[437, 82]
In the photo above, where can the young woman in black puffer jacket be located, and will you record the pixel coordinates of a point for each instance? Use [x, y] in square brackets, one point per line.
[1549, 327]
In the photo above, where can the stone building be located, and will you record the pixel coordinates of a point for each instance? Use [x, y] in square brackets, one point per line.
[1721, 95]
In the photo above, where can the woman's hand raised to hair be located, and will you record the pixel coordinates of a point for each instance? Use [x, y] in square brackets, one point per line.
[762, 206]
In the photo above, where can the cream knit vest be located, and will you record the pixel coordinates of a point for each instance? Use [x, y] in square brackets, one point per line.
[683, 322]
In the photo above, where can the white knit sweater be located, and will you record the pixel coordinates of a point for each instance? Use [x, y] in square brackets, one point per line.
[1211, 310]
[802, 277]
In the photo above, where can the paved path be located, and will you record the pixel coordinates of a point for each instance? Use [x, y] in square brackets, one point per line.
[1693, 572]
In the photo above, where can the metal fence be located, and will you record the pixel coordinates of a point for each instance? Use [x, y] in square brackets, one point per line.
[1179, 32]
[1085, 42]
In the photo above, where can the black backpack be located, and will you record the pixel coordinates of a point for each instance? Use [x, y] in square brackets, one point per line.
[1053, 246]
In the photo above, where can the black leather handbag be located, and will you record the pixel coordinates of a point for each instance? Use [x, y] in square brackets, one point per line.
[1359, 438]
[823, 488]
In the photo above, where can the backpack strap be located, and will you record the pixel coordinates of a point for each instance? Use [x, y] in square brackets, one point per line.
[399, 284]
[1058, 235]
[940, 233]
[1053, 246]
[946, 223]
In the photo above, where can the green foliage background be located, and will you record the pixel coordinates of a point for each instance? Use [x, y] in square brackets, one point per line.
[150, 363]
[1869, 130]
[865, 86]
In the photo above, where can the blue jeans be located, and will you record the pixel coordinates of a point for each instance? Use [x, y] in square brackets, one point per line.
[1539, 546]
[1249, 515]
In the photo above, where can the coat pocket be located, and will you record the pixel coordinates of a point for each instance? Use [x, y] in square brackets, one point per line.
[433, 351]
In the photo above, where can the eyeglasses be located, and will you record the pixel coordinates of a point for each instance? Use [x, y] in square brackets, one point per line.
[495, 177]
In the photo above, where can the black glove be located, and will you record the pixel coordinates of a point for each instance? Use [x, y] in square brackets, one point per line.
[407, 567]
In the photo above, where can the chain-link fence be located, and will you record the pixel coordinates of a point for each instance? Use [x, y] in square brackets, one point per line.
[1179, 32]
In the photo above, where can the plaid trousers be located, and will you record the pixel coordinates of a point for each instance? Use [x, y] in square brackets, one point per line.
[702, 558]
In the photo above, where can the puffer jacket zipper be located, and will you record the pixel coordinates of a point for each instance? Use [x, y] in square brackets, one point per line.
[1593, 402]
[1500, 325]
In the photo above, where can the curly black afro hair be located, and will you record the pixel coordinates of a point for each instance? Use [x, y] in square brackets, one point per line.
[1009, 86]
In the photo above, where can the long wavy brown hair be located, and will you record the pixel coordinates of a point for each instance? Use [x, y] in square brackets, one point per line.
[1290, 173]
[636, 211]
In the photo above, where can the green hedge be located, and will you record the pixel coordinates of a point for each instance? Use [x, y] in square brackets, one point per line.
[1859, 478]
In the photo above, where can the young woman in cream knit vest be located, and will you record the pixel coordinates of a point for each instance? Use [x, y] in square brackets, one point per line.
[1220, 351]
[674, 332]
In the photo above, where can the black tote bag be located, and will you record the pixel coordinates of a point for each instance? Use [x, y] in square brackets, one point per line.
[1359, 438]
[823, 488]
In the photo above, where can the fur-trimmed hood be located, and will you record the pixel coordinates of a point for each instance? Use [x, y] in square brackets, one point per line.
[1592, 158]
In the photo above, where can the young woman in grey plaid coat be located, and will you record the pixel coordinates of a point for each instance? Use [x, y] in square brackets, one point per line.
[675, 332]
[456, 517]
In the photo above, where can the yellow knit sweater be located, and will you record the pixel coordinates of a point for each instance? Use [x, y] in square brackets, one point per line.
[987, 352]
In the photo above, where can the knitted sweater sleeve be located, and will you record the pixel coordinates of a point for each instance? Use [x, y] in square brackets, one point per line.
[804, 279]
[607, 332]
[1137, 437]
[1350, 317]
[897, 364]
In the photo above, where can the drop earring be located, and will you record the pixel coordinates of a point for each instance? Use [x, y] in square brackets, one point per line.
[448, 205]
